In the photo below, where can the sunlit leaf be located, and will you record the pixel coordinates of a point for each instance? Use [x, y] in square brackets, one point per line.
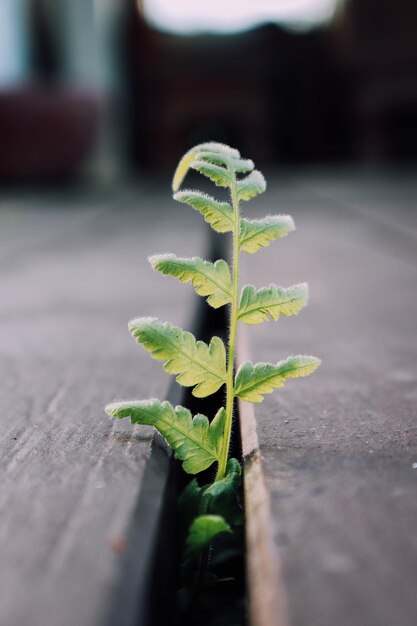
[238, 165]
[254, 381]
[218, 214]
[194, 362]
[268, 303]
[208, 279]
[251, 185]
[218, 174]
[194, 441]
[255, 234]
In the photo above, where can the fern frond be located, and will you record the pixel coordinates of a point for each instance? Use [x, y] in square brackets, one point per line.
[194, 441]
[239, 165]
[218, 150]
[212, 153]
[194, 362]
[242, 166]
[269, 303]
[255, 234]
[218, 214]
[218, 174]
[221, 154]
[251, 185]
[254, 381]
[208, 279]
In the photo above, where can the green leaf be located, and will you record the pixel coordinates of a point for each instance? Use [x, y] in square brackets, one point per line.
[203, 530]
[255, 234]
[218, 214]
[223, 495]
[218, 498]
[219, 175]
[254, 381]
[209, 279]
[195, 442]
[218, 148]
[251, 185]
[269, 303]
[240, 166]
[194, 154]
[194, 362]
[214, 153]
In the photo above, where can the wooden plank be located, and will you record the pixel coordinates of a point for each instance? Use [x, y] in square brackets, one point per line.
[71, 477]
[339, 449]
[267, 598]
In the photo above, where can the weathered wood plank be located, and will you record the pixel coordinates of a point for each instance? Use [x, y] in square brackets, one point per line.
[338, 449]
[267, 597]
[71, 477]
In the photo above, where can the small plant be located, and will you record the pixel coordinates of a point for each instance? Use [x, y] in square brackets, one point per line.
[198, 443]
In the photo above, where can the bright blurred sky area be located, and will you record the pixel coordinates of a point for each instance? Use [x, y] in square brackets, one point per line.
[191, 16]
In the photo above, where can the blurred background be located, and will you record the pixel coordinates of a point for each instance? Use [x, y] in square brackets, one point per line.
[115, 88]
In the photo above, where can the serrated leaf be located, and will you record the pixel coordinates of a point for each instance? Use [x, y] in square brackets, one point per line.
[251, 185]
[208, 279]
[195, 442]
[222, 154]
[254, 381]
[219, 175]
[255, 234]
[239, 165]
[203, 530]
[194, 362]
[193, 154]
[218, 214]
[218, 148]
[242, 166]
[214, 153]
[269, 303]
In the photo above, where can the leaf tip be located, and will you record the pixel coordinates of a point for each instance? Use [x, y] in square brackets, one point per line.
[118, 409]
[153, 260]
[316, 362]
[111, 409]
[156, 259]
[139, 322]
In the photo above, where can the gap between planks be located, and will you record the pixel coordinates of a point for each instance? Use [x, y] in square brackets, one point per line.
[267, 596]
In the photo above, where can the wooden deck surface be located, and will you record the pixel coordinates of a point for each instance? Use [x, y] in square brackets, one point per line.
[338, 449]
[73, 271]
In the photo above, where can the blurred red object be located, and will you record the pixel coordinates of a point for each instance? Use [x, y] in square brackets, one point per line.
[46, 131]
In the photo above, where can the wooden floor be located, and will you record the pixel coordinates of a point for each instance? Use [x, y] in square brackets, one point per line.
[73, 272]
[338, 448]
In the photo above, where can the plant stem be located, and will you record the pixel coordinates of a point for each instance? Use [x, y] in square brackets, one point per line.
[232, 335]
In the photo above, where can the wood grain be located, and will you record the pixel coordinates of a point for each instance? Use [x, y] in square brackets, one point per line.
[267, 596]
[338, 449]
[74, 272]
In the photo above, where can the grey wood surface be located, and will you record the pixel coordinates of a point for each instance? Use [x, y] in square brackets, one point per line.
[339, 448]
[73, 271]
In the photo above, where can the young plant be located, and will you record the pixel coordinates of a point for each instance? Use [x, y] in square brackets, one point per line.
[196, 441]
